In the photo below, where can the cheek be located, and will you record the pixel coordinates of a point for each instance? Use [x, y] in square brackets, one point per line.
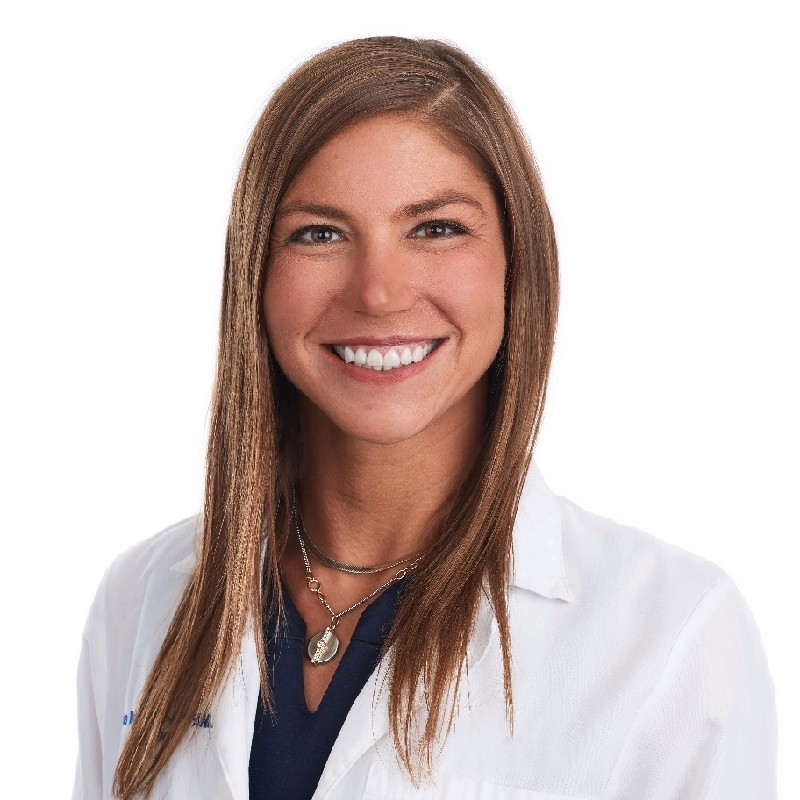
[282, 312]
[287, 319]
[479, 294]
[274, 304]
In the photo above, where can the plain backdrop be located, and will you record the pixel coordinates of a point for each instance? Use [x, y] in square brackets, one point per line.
[667, 135]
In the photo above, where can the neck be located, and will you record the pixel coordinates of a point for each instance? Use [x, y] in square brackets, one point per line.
[366, 503]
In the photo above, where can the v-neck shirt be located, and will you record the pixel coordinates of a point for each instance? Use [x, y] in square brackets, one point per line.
[290, 749]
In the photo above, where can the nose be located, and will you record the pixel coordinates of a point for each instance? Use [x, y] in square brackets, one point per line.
[379, 281]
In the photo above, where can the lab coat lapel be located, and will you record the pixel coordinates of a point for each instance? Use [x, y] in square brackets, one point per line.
[366, 724]
[233, 717]
[368, 720]
[218, 752]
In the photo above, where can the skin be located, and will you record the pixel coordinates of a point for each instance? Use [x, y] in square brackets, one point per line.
[389, 234]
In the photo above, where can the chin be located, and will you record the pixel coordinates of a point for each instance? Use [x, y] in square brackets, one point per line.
[381, 433]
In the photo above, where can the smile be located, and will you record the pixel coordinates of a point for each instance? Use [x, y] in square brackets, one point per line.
[385, 358]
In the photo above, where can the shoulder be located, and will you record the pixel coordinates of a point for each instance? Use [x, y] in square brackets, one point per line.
[621, 565]
[644, 648]
[672, 651]
[563, 552]
[145, 580]
[170, 549]
[655, 599]
[619, 598]
[151, 561]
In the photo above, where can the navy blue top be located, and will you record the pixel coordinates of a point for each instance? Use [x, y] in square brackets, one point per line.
[289, 751]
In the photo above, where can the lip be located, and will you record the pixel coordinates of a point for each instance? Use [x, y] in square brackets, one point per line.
[383, 376]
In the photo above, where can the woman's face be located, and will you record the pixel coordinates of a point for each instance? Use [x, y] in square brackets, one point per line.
[384, 297]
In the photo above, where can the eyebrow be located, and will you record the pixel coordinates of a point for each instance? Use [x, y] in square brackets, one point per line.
[439, 201]
[316, 209]
[408, 211]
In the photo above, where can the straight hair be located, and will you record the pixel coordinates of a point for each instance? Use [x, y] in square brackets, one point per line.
[254, 433]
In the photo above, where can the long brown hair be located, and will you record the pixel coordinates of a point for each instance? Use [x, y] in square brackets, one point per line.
[249, 460]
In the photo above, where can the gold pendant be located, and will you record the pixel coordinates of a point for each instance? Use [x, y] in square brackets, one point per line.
[323, 647]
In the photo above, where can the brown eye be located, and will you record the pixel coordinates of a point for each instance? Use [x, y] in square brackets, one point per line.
[316, 234]
[437, 230]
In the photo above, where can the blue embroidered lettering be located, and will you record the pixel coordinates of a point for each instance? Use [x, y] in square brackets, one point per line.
[198, 721]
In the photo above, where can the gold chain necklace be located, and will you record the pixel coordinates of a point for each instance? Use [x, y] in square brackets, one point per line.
[343, 566]
[325, 644]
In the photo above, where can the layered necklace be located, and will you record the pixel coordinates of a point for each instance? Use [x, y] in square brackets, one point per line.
[325, 644]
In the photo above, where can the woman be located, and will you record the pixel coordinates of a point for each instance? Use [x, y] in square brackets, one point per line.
[381, 599]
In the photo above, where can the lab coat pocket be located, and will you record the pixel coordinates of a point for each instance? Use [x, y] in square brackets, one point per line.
[383, 786]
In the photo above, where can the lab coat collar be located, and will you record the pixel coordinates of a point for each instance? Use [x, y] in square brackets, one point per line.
[186, 565]
[538, 548]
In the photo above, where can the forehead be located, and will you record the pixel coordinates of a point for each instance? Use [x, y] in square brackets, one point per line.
[386, 161]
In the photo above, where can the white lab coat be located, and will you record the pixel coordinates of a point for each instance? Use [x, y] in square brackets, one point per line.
[638, 675]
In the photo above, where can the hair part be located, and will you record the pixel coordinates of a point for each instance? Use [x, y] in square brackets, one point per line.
[254, 443]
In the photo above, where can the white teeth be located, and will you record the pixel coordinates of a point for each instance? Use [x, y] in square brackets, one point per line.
[372, 358]
[391, 359]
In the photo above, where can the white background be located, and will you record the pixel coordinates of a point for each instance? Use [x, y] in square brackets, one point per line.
[667, 135]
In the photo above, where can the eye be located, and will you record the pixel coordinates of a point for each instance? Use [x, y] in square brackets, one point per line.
[438, 229]
[316, 235]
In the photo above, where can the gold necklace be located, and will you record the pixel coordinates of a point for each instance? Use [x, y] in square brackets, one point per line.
[325, 644]
[343, 566]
